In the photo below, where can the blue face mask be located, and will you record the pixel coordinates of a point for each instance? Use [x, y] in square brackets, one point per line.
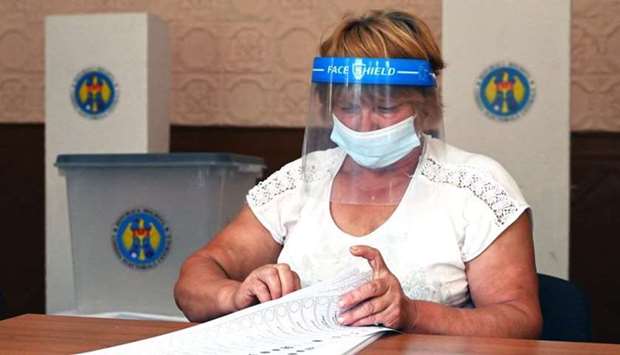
[379, 148]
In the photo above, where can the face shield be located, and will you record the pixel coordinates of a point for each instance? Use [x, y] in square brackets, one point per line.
[368, 122]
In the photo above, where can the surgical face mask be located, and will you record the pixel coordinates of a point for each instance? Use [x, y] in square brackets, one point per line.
[379, 148]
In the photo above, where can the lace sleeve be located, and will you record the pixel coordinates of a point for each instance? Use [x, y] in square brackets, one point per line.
[276, 200]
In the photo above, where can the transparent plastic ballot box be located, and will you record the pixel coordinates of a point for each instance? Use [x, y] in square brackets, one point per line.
[134, 218]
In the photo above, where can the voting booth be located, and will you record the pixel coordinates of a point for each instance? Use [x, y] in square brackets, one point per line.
[135, 218]
[506, 93]
[107, 79]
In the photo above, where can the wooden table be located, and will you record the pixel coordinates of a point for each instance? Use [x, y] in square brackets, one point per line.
[43, 334]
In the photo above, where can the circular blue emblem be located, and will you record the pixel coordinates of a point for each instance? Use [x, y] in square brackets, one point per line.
[505, 91]
[141, 238]
[94, 93]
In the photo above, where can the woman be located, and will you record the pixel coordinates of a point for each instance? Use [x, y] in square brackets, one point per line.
[447, 233]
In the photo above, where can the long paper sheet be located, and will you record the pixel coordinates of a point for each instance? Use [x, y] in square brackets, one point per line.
[303, 322]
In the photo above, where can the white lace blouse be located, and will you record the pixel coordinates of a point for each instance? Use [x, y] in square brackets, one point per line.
[457, 203]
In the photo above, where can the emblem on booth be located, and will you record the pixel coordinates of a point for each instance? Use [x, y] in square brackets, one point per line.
[141, 238]
[505, 91]
[94, 93]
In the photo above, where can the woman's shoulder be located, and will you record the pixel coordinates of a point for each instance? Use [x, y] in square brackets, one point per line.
[475, 175]
[312, 167]
[276, 185]
[445, 157]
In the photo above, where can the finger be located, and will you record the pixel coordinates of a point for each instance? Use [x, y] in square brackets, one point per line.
[386, 318]
[362, 311]
[370, 320]
[287, 278]
[297, 281]
[373, 256]
[366, 291]
[260, 290]
[245, 298]
[270, 277]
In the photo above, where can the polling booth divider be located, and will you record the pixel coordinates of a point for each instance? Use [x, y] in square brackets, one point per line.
[107, 82]
[506, 92]
[135, 218]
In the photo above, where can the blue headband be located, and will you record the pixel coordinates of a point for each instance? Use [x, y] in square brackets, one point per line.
[382, 71]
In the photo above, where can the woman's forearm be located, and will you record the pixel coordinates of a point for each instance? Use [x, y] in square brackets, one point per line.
[203, 290]
[510, 319]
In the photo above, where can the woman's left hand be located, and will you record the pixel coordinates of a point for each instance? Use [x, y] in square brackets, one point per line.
[379, 301]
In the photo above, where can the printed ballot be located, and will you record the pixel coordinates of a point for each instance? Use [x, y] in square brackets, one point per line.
[303, 322]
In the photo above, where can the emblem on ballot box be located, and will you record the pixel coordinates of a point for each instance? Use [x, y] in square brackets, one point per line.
[94, 93]
[141, 238]
[504, 91]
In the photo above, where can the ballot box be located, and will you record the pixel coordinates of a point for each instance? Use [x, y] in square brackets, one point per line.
[134, 218]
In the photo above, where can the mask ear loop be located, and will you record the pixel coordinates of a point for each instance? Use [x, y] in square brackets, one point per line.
[416, 119]
[421, 137]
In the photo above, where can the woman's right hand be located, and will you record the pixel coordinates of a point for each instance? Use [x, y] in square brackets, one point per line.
[266, 283]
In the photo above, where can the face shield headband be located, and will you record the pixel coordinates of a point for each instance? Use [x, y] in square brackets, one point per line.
[376, 71]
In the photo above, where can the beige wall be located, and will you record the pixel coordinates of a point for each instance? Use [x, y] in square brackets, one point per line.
[595, 65]
[245, 62]
[235, 62]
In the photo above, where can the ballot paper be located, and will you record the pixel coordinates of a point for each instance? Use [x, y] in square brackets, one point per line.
[303, 322]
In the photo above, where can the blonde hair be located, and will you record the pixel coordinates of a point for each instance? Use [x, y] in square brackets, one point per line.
[391, 34]
[383, 34]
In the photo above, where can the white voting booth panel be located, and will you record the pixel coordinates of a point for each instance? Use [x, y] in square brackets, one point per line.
[136, 217]
[133, 50]
[533, 147]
